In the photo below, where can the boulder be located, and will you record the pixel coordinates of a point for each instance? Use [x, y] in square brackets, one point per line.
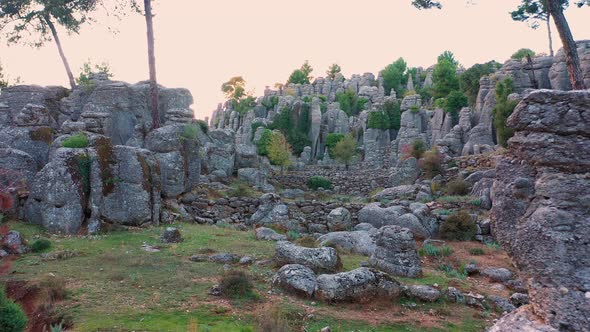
[317, 259]
[497, 274]
[398, 192]
[296, 279]
[424, 293]
[379, 216]
[405, 173]
[339, 219]
[14, 243]
[360, 285]
[522, 319]
[396, 252]
[33, 141]
[360, 242]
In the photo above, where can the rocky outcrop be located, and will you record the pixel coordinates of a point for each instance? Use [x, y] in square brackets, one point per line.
[422, 225]
[558, 74]
[541, 213]
[360, 285]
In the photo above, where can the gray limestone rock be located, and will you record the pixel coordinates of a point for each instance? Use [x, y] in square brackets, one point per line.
[317, 259]
[297, 279]
[360, 285]
[396, 252]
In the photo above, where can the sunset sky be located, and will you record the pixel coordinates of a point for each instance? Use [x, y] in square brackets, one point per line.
[201, 44]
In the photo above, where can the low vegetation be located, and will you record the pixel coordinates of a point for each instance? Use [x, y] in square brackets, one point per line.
[459, 226]
[457, 187]
[12, 316]
[317, 182]
[76, 141]
[40, 245]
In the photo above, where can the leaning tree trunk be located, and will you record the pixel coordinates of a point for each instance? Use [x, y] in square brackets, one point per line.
[572, 60]
[549, 34]
[152, 63]
[61, 51]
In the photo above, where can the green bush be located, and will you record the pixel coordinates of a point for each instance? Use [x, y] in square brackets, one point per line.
[204, 126]
[350, 102]
[316, 182]
[459, 227]
[378, 120]
[445, 79]
[469, 80]
[40, 245]
[476, 251]
[457, 187]
[418, 149]
[503, 110]
[189, 132]
[12, 316]
[523, 53]
[394, 77]
[393, 112]
[331, 141]
[236, 284]
[455, 101]
[431, 164]
[262, 144]
[76, 141]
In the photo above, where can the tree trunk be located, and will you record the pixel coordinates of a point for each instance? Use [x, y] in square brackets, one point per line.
[549, 34]
[61, 51]
[152, 64]
[572, 60]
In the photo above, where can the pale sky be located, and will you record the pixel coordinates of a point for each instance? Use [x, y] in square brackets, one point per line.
[201, 44]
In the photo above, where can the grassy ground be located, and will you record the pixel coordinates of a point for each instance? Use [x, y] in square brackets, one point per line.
[114, 285]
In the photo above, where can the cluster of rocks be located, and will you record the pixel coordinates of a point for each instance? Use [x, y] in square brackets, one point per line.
[12, 243]
[541, 213]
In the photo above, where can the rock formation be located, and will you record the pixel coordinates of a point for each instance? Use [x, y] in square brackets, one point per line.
[541, 213]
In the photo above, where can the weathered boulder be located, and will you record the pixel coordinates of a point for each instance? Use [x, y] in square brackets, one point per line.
[360, 285]
[35, 141]
[424, 293]
[379, 216]
[398, 192]
[317, 259]
[360, 242]
[405, 173]
[176, 147]
[130, 192]
[339, 219]
[297, 279]
[59, 194]
[220, 152]
[14, 243]
[396, 252]
[541, 213]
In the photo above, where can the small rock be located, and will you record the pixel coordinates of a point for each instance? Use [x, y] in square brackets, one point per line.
[171, 235]
[225, 258]
[516, 285]
[501, 303]
[246, 260]
[199, 258]
[267, 234]
[215, 291]
[519, 299]
[15, 243]
[326, 329]
[498, 274]
[149, 248]
[471, 269]
[424, 293]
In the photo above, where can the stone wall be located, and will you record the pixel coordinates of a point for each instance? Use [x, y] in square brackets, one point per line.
[353, 182]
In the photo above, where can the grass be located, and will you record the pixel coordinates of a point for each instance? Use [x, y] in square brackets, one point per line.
[113, 285]
[433, 251]
[76, 141]
[454, 199]
[476, 251]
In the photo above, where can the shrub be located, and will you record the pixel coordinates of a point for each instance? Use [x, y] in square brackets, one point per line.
[476, 251]
[418, 149]
[431, 164]
[316, 182]
[503, 110]
[189, 132]
[457, 187]
[40, 245]
[236, 284]
[262, 144]
[204, 126]
[455, 101]
[350, 102]
[378, 120]
[458, 226]
[76, 141]
[445, 79]
[331, 141]
[469, 80]
[12, 316]
[273, 320]
[394, 77]
[279, 150]
[293, 235]
[345, 150]
[392, 109]
[523, 53]
[241, 189]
